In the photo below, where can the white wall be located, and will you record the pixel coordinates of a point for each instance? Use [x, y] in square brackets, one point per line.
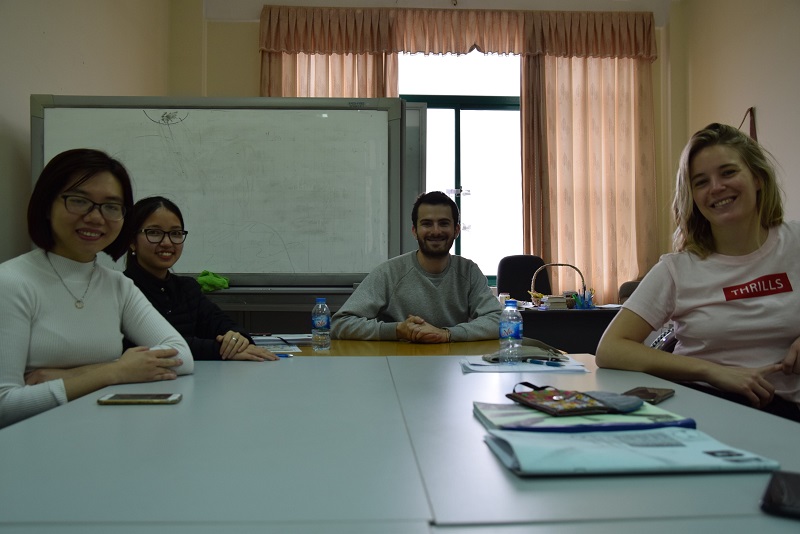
[744, 53]
[72, 47]
[716, 59]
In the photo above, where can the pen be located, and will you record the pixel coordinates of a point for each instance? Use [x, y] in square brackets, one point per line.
[549, 363]
[282, 355]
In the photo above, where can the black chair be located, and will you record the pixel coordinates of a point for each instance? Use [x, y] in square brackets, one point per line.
[666, 340]
[514, 275]
[626, 290]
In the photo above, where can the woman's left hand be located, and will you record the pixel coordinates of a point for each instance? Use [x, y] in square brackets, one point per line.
[255, 353]
[231, 344]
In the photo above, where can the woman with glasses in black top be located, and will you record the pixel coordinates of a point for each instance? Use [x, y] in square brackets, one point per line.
[157, 244]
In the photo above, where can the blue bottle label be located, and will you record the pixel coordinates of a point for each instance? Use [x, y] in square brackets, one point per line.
[320, 321]
[510, 330]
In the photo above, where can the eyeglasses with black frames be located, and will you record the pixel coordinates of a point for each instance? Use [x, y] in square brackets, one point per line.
[156, 235]
[78, 205]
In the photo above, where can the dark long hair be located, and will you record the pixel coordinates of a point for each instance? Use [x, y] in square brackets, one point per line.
[83, 163]
[142, 210]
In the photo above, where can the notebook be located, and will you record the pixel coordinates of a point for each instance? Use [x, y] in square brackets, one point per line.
[659, 450]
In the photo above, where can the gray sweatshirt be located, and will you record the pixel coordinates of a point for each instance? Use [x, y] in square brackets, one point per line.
[458, 298]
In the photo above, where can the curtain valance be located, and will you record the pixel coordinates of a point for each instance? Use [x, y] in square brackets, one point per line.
[327, 30]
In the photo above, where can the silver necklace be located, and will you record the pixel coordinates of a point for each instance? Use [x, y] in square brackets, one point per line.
[78, 301]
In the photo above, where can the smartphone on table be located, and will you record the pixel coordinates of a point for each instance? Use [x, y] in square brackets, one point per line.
[140, 398]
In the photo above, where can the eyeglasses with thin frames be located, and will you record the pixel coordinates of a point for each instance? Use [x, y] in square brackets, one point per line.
[78, 205]
[156, 235]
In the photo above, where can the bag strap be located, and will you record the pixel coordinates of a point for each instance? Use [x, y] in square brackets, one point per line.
[534, 387]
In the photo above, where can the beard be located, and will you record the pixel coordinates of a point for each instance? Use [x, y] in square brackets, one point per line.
[436, 251]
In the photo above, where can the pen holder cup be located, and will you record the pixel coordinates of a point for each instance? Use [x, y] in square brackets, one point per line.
[579, 303]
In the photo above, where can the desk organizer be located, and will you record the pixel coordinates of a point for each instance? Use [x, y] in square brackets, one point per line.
[583, 303]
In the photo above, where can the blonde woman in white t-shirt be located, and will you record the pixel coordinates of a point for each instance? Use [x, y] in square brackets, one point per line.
[729, 287]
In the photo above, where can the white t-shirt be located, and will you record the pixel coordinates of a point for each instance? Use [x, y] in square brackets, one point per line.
[732, 310]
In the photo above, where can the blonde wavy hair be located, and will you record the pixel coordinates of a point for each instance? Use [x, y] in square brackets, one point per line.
[693, 231]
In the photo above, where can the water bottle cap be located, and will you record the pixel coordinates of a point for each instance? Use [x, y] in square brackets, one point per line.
[511, 303]
[320, 300]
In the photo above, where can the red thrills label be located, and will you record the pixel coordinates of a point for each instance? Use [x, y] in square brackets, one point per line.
[766, 285]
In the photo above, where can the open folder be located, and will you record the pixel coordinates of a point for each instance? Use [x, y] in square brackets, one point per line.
[660, 450]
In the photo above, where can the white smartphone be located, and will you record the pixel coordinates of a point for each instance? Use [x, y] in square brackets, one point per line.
[140, 398]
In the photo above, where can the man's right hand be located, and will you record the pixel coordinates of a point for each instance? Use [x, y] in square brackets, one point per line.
[417, 330]
[407, 328]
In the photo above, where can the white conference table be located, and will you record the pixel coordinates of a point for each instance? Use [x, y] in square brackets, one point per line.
[299, 445]
[353, 444]
[471, 492]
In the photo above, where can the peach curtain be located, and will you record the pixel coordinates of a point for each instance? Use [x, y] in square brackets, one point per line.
[586, 110]
[329, 75]
[326, 52]
[600, 179]
[331, 30]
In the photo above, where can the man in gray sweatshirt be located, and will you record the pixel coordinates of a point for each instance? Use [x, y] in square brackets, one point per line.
[425, 296]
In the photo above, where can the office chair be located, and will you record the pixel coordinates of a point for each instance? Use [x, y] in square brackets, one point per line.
[626, 289]
[514, 275]
[666, 340]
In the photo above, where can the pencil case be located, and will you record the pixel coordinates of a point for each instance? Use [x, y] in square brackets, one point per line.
[559, 402]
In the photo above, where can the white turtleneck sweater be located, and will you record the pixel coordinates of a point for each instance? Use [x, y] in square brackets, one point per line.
[40, 327]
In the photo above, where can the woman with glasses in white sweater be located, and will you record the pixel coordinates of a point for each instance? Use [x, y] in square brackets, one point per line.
[64, 316]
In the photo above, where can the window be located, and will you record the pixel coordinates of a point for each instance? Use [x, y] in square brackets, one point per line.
[473, 145]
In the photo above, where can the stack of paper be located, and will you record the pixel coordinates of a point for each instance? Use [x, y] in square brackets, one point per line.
[282, 342]
[554, 302]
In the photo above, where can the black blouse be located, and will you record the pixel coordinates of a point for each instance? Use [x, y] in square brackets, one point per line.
[180, 300]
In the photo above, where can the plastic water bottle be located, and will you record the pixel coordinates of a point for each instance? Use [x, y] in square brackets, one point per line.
[510, 332]
[321, 325]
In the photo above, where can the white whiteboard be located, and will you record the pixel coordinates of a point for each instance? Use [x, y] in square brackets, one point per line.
[287, 190]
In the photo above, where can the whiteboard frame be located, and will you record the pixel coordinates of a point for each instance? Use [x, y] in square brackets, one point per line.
[401, 191]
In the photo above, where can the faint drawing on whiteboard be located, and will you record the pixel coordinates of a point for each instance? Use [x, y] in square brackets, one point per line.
[262, 191]
[167, 117]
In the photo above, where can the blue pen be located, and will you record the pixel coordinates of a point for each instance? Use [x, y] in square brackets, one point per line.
[282, 355]
[549, 363]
